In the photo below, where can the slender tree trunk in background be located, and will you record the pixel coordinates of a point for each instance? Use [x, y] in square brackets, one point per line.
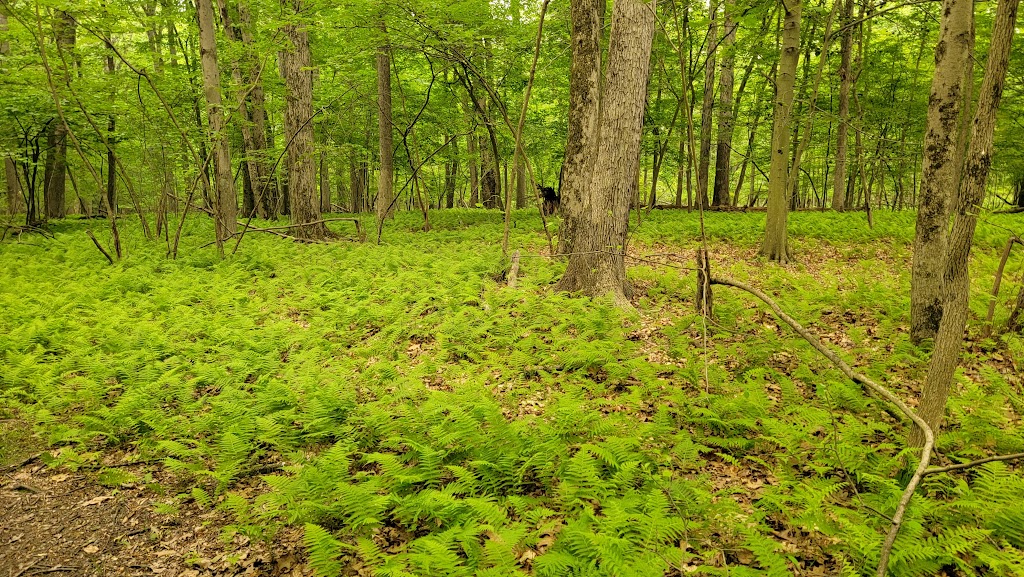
[14, 199]
[451, 173]
[584, 114]
[474, 174]
[707, 108]
[941, 172]
[385, 192]
[64, 29]
[597, 266]
[725, 110]
[956, 276]
[224, 196]
[521, 177]
[845, 82]
[490, 183]
[111, 138]
[358, 184]
[776, 246]
[303, 199]
[325, 183]
[681, 169]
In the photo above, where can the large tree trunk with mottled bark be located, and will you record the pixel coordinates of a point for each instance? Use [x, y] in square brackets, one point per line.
[707, 118]
[776, 245]
[225, 197]
[584, 101]
[303, 199]
[64, 29]
[725, 112]
[956, 282]
[597, 265]
[941, 171]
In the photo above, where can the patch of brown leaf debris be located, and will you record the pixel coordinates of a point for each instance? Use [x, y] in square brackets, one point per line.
[59, 522]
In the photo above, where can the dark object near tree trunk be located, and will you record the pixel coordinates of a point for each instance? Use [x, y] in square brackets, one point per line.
[552, 200]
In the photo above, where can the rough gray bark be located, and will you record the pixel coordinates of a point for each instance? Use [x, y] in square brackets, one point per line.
[584, 100]
[941, 171]
[845, 82]
[956, 282]
[225, 196]
[597, 264]
[725, 108]
[776, 246]
[64, 29]
[14, 198]
[707, 108]
[296, 62]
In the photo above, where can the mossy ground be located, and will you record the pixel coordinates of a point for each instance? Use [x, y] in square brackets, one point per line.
[417, 417]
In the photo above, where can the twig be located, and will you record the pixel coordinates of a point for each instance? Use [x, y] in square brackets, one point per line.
[971, 464]
[99, 246]
[929, 436]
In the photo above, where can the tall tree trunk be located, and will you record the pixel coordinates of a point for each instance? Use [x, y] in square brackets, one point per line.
[584, 101]
[14, 199]
[845, 82]
[451, 173]
[385, 192]
[941, 172]
[725, 112]
[707, 107]
[956, 276]
[325, 183]
[225, 196]
[520, 168]
[111, 129]
[303, 200]
[776, 246]
[597, 264]
[680, 168]
[258, 148]
[64, 29]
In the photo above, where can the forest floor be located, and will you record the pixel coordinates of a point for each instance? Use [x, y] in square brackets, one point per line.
[368, 410]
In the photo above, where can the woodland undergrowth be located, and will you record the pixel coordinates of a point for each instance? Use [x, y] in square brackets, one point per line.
[419, 417]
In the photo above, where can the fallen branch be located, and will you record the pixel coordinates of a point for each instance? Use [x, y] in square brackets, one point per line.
[929, 436]
[99, 246]
[971, 464]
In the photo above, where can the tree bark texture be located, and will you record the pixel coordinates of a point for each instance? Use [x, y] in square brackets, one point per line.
[776, 245]
[707, 117]
[597, 264]
[14, 198]
[224, 200]
[956, 276]
[584, 101]
[941, 171]
[845, 82]
[385, 192]
[303, 199]
[64, 29]
[725, 109]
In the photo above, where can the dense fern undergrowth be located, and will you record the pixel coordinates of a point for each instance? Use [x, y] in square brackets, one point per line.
[433, 421]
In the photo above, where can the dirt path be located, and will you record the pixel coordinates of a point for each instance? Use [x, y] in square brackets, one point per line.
[65, 523]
